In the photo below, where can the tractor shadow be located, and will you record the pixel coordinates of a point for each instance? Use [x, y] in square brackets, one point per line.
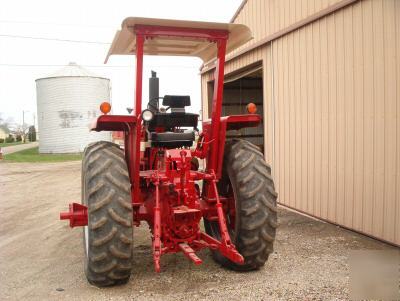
[178, 274]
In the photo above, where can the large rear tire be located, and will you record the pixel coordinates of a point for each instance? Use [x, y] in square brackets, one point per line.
[106, 191]
[248, 178]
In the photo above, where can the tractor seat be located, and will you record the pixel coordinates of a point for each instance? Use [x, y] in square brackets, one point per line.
[172, 140]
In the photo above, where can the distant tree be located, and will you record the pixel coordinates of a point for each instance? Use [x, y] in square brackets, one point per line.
[10, 139]
[32, 133]
[18, 138]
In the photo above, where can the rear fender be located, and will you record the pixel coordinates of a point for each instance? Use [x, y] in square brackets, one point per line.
[123, 123]
[233, 122]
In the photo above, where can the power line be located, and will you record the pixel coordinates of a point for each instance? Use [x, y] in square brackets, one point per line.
[52, 39]
[99, 66]
[55, 65]
[54, 24]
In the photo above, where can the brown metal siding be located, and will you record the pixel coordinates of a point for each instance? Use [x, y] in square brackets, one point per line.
[266, 17]
[337, 140]
[331, 93]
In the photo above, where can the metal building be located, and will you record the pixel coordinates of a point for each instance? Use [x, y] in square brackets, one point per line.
[328, 75]
[67, 102]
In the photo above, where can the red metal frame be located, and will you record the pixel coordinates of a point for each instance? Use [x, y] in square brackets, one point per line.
[77, 215]
[217, 106]
[151, 31]
[135, 142]
[234, 122]
[167, 197]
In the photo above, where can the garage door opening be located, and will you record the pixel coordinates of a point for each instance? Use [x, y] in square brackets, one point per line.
[239, 90]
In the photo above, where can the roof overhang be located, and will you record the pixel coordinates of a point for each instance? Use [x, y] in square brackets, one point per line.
[124, 42]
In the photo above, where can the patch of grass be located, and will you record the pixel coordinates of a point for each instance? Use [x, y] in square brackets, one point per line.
[32, 155]
[10, 144]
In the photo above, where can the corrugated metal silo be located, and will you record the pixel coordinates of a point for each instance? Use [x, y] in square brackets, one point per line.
[67, 102]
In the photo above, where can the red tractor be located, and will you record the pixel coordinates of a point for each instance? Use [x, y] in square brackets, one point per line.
[156, 177]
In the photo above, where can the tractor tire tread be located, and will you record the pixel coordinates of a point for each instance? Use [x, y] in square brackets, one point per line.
[256, 205]
[106, 191]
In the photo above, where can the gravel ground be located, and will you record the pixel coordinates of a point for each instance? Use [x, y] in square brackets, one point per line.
[41, 258]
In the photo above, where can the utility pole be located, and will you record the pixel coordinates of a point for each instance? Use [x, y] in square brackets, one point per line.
[23, 122]
[23, 125]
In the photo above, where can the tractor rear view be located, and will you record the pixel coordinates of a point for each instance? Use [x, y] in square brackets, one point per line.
[156, 177]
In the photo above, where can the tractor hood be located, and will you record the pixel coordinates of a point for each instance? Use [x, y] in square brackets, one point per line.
[124, 42]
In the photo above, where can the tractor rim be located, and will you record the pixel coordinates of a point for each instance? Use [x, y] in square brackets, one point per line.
[231, 214]
[86, 233]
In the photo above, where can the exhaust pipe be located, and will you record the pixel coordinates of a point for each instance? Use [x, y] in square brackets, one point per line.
[154, 92]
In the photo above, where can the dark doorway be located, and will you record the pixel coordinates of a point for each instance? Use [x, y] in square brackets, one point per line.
[238, 92]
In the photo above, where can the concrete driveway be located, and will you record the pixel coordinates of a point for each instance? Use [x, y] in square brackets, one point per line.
[19, 147]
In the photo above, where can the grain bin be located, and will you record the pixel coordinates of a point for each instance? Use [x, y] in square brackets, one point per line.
[67, 102]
